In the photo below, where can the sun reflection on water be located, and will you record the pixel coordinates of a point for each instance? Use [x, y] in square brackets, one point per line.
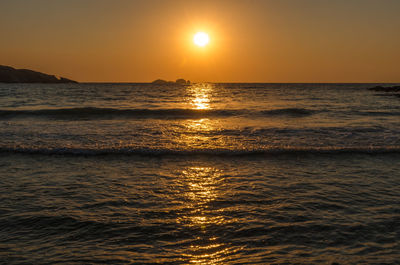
[201, 187]
[200, 96]
[196, 134]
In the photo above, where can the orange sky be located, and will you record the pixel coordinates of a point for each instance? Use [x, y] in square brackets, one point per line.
[251, 41]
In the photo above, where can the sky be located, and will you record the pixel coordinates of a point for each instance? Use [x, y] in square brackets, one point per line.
[250, 40]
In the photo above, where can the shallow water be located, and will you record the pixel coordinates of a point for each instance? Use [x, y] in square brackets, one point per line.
[172, 210]
[205, 174]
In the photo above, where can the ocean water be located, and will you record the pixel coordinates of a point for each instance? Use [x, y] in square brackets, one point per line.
[199, 174]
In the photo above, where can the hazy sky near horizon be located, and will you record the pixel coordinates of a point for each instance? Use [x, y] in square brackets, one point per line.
[251, 40]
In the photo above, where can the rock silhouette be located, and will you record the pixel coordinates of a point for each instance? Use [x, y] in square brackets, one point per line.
[182, 82]
[393, 91]
[177, 82]
[386, 89]
[12, 75]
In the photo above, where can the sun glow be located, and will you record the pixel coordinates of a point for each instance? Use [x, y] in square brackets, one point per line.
[201, 39]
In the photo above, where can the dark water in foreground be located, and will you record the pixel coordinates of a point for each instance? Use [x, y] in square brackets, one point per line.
[206, 174]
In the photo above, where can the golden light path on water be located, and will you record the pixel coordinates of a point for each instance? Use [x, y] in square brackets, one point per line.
[194, 136]
[202, 186]
[199, 99]
[200, 95]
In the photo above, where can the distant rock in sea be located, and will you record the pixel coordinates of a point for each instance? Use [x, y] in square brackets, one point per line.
[12, 75]
[160, 82]
[182, 82]
[386, 89]
[177, 82]
[393, 91]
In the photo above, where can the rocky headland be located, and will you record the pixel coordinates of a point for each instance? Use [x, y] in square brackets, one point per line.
[12, 75]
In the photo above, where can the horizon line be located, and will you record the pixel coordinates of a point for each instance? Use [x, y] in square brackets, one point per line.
[232, 82]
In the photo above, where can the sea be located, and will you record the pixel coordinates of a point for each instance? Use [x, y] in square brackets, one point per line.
[207, 173]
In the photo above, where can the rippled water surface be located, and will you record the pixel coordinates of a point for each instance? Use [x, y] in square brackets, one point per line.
[200, 174]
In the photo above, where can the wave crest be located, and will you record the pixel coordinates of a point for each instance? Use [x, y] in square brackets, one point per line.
[113, 113]
[200, 152]
[289, 111]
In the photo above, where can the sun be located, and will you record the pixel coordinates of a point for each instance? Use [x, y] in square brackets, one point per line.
[201, 39]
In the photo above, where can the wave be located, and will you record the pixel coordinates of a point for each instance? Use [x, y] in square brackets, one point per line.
[93, 113]
[113, 113]
[289, 111]
[377, 113]
[201, 152]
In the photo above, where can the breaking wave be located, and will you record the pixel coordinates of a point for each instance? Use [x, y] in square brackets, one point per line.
[113, 113]
[201, 152]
